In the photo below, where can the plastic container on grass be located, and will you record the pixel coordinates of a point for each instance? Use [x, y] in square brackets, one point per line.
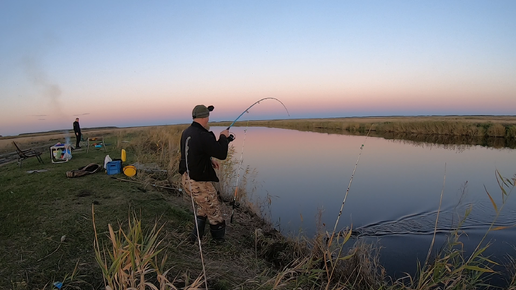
[114, 167]
[129, 170]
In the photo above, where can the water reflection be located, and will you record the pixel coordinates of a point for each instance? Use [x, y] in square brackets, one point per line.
[453, 141]
[447, 140]
[394, 197]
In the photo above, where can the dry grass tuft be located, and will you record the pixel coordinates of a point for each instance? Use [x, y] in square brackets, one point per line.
[130, 260]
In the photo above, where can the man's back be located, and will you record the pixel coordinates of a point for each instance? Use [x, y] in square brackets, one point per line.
[76, 127]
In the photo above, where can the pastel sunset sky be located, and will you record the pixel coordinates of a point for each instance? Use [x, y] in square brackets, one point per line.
[132, 63]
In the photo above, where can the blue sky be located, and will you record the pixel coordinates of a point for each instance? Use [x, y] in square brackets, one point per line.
[128, 63]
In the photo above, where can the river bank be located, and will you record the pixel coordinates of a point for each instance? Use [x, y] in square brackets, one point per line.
[48, 233]
[49, 223]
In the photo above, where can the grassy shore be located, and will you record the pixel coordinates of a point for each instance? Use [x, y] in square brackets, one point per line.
[50, 223]
[47, 232]
[59, 229]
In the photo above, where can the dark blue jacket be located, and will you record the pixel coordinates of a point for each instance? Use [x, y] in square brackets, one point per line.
[76, 127]
[202, 145]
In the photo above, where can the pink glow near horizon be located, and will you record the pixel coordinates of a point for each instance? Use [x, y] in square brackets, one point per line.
[351, 59]
[171, 112]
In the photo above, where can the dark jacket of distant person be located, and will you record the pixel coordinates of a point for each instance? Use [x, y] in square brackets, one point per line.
[201, 147]
[76, 127]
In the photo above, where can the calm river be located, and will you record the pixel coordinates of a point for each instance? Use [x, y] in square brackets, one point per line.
[394, 197]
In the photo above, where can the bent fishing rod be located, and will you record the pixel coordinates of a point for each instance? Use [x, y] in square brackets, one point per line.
[255, 103]
[233, 203]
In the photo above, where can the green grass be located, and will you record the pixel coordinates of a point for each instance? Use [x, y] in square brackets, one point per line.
[47, 229]
[47, 232]
[38, 209]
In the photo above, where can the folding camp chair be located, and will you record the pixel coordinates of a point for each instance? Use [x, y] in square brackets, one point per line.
[98, 142]
[27, 153]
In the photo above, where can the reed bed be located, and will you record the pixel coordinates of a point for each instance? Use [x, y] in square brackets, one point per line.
[471, 126]
[158, 145]
[449, 128]
[157, 150]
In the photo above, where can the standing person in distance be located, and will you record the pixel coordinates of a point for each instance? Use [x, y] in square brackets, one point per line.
[77, 132]
[198, 146]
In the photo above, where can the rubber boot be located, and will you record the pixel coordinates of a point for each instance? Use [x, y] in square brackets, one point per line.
[218, 231]
[201, 221]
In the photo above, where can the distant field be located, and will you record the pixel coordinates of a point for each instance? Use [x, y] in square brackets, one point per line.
[380, 119]
[46, 139]
[472, 126]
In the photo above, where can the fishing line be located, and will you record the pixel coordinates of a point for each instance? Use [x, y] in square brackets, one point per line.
[194, 211]
[240, 162]
[257, 102]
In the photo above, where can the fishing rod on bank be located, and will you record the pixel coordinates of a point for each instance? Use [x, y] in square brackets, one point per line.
[349, 185]
[233, 203]
[328, 255]
[196, 221]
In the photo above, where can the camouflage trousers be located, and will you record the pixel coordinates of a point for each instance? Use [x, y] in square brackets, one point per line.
[205, 197]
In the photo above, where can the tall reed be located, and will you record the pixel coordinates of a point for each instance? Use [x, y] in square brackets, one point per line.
[231, 170]
[157, 149]
[131, 258]
[511, 131]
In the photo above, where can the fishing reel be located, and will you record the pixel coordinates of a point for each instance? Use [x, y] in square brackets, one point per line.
[231, 137]
[234, 204]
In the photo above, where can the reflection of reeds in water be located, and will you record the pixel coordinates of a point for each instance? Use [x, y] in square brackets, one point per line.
[458, 143]
[488, 129]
